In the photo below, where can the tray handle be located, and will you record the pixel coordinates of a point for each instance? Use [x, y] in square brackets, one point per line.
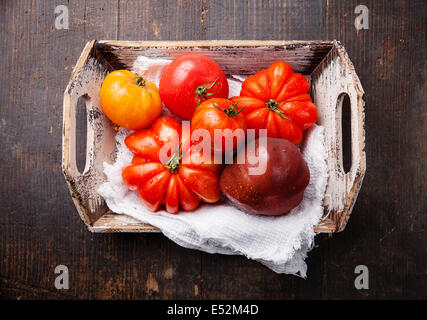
[70, 131]
[331, 82]
[86, 82]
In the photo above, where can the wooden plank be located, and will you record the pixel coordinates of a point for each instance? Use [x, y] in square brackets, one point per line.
[303, 56]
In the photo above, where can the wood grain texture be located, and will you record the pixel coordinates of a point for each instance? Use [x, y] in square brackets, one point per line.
[39, 228]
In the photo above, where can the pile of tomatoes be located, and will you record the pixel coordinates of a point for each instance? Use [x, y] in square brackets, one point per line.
[194, 87]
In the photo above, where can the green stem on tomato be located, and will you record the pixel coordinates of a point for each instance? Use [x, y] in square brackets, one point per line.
[273, 105]
[174, 161]
[139, 81]
[231, 111]
[201, 91]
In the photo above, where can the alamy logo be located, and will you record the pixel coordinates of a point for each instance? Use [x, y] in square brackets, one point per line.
[212, 148]
[61, 20]
[62, 280]
[362, 20]
[362, 280]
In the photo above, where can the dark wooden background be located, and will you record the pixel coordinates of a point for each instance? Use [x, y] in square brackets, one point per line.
[40, 228]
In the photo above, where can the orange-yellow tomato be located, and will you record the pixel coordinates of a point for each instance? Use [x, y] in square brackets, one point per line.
[129, 100]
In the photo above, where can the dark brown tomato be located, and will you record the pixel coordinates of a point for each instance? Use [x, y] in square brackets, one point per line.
[273, 191]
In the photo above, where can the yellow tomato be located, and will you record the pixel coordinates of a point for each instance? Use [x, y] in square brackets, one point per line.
[130, 100]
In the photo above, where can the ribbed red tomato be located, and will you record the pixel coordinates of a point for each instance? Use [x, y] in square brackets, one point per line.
[277, 99]
[181, 180]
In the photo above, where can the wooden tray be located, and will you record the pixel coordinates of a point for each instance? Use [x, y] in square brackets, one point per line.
[325, 63]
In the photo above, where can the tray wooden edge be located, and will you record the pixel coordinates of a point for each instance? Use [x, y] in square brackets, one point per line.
[326, 225]
[361, 165]
[214, 43]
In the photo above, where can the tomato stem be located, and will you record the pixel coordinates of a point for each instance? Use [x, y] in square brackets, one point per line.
[174, 162]
[139, 81]
[232, 111]
[201, 91]
[273, 105]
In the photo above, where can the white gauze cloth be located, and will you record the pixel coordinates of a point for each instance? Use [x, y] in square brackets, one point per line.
[281, 243]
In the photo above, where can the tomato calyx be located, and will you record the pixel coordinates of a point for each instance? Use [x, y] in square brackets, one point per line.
[139, 81]
[231, 111]
[175, 161]
[273, 105]
[201, 91]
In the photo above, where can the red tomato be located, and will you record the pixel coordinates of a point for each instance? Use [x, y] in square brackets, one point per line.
[188, 81]
[277, 99]
[223, 114]
[180, 180]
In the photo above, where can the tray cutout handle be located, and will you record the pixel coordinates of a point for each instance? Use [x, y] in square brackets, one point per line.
[345, 159]
[332, 82]
[82, 162]
[100, 147]
[78, 144]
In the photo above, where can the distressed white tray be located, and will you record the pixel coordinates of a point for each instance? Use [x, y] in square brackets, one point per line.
[325, 63]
